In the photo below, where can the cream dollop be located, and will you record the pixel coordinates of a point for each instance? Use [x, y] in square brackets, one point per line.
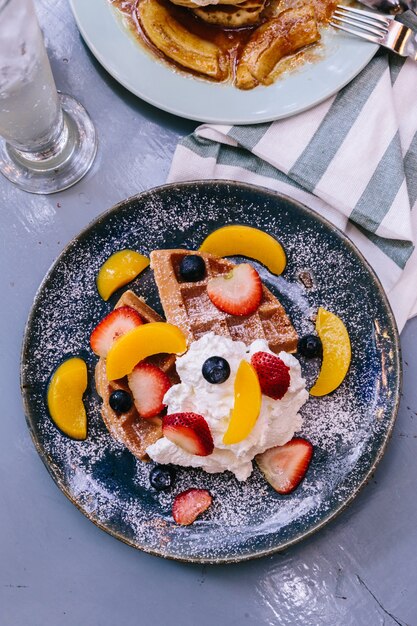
[276, 424]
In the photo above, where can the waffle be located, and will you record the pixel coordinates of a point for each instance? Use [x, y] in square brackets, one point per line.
[188, 306]
[129, 428]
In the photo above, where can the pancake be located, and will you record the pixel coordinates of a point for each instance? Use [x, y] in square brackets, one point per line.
[245, 14]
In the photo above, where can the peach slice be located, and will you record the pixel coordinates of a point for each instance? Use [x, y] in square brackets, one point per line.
[248, 398]
[336, 353]
[141, 342]
[246, 241]
[65, 398]
[119, 269]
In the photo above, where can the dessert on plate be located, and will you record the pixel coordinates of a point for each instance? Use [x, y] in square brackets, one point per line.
[247, 43]
[216, 385]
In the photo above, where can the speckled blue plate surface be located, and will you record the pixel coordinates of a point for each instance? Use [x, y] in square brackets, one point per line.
[349, 428]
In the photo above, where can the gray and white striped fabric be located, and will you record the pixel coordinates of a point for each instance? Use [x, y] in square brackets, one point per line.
[353, 159]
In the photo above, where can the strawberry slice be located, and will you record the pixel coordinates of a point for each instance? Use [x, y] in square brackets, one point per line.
[189, 504]
[117, 323]
[148, 384]
[273, 374]
[189, 431]
[239, 292]
[284, 467]
[113, 326]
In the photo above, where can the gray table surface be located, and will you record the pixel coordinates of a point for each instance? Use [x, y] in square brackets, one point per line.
[56, 567]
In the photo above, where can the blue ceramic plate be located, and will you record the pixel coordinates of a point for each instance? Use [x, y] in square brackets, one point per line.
[349, 428]
[336, 62]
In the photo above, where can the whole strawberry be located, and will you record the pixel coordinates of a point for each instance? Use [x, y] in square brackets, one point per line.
[273, 374]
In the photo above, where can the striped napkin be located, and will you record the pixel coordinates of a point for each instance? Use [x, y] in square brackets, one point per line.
[353, 159]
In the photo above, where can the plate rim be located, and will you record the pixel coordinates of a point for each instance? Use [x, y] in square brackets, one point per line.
[386, 437]
[164, 106]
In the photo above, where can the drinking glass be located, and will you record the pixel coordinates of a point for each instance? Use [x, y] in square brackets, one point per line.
[47, 139]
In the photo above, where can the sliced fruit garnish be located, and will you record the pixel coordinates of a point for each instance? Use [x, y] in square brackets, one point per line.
[247, 406]
[336, 352]
[65, 398]
[189, 431]
[239, 292]
[273, 374]
[119, 269]
[141, 342]
[148, 384]
[284, 467]
[189, 504]
[114, 325]
[246, 241]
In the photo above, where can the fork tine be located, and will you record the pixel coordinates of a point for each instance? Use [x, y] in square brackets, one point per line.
[385, 19]
[362, 18]
[360, 25]
[374, 27]
[352, 31]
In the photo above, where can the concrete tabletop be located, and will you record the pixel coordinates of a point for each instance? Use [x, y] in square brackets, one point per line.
[56, 567]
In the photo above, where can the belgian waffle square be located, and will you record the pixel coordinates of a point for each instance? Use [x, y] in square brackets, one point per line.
[187, 305]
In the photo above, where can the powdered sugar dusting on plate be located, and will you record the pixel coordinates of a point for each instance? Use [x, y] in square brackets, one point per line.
[348, 428]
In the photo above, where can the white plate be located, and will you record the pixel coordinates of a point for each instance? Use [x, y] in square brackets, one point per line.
[155, 82]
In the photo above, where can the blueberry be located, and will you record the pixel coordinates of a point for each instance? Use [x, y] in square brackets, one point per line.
[310, 346]
[120, 401]
[192, 268]
[161, 477]
[216, 370]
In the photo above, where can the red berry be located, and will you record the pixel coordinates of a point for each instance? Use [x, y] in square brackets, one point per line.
[114, 325]
[273, 374]
[189, 431]
[285, 466]
[189, 504]
[148, 384]
[239, 292]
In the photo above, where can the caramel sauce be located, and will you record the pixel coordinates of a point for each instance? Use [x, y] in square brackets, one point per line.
[230, 41]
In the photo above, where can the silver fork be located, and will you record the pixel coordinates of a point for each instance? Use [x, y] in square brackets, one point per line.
[377, 28]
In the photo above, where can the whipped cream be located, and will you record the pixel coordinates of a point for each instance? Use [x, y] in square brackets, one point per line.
[277, 422]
